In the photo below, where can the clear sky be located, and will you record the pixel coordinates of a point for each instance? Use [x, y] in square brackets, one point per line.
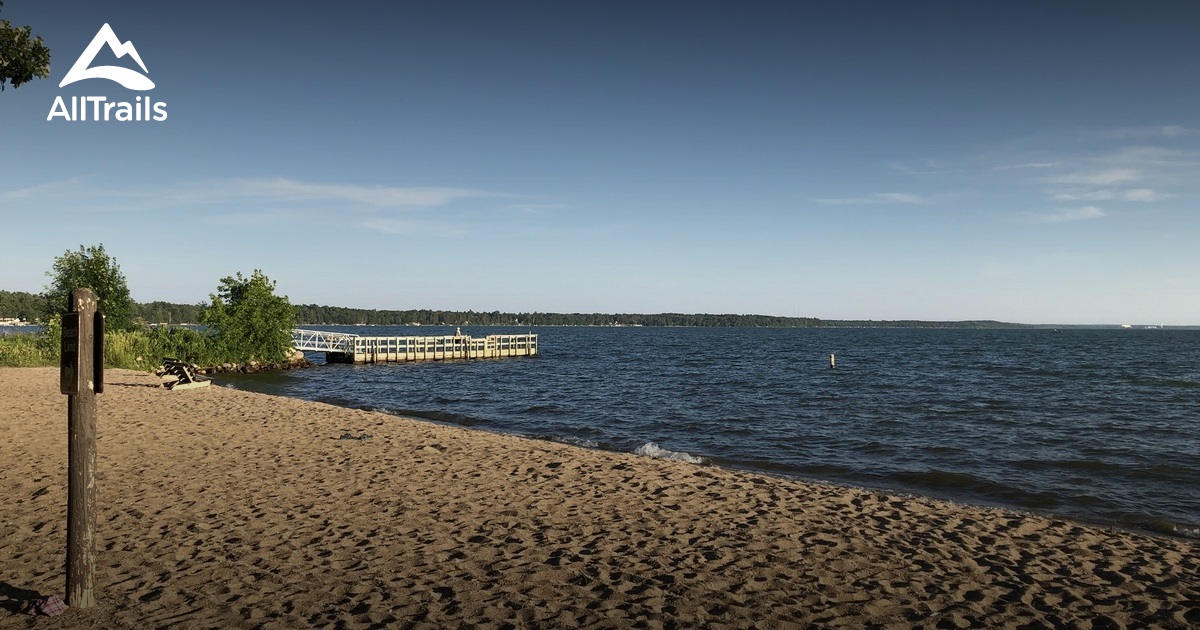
[1036, 162]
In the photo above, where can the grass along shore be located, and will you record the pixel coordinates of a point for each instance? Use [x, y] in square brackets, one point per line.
[141, 349]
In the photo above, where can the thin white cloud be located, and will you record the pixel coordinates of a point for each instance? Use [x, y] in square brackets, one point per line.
[1066, 215]
[1127, 133]
[43, 190]
[391, 226]
[1133, 173]
[1027, 165]
[1108, 177]
[892, 197]
[1151, 157]
[248, 190]
[1172, 131]
[1095, 195]
[1133, 194]
[282, 189]
[77, 192]
[1143, 194]
[900, 198]
[410, 226]
[267, 201]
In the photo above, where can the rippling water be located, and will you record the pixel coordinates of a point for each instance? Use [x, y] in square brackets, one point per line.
[1097, 424]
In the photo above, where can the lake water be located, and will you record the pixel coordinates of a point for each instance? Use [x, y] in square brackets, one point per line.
[1100, 425]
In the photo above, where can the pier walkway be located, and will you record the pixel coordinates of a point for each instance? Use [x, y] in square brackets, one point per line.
[347, 348]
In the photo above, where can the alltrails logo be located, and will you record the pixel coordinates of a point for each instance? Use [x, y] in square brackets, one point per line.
[142, 108]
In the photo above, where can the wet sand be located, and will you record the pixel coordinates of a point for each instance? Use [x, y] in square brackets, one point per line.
[223, 508]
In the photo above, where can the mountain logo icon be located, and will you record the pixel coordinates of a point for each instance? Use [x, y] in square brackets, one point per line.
[130, 79]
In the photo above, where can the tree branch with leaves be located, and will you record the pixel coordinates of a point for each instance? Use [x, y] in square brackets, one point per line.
[22, 56]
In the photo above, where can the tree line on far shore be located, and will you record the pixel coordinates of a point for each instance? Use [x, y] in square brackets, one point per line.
[336, 315]
[32, 307]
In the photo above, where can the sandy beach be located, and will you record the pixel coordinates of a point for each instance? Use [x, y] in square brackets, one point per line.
[223, 508]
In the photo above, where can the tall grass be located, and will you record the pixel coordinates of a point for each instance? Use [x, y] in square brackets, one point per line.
[131, 349]
[145, 349]
[26, 350]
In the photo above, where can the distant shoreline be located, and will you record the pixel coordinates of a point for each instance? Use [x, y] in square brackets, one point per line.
[166, 313]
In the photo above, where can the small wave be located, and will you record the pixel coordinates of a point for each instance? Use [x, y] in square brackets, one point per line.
[575, 441]
[1173, 529]
[442, 417]
[959, 485]
[1187, 532]
[650, 449]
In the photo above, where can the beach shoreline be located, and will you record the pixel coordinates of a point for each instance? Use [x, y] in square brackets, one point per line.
[225, 508]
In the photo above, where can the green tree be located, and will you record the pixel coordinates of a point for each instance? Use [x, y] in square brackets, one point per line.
[22, 56]
[249, 321]
[92, 268]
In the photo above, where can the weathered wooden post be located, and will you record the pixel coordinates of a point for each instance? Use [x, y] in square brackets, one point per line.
[81, 377]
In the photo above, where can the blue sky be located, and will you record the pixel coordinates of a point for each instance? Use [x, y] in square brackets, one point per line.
[1021, 161]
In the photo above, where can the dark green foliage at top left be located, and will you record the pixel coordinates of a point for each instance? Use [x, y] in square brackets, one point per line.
[22, 56]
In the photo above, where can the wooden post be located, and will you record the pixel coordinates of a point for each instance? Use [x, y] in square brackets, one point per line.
[79, 382]
[832, 362]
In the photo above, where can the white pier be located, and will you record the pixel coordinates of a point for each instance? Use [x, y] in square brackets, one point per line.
[347, 348]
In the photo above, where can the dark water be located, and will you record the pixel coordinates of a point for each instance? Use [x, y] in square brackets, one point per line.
[1102, 425]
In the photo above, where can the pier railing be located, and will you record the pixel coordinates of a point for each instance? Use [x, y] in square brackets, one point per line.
[322, 341]
[341, 347]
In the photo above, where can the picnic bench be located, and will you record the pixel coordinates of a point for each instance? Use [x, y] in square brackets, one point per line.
[176, 374]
